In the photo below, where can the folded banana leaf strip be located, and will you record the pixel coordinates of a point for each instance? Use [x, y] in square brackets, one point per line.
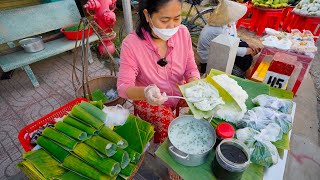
[89, 155]
[102, 145]
[70, 175]
[112, 136]
[36, 163]
[122, 157]
[75, 164]
[79, 125]
[137, 133]
[60, 138]
[86, 117]
[70, 131]
[54, 149]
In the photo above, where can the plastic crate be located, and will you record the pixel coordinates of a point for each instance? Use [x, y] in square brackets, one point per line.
[49, 118]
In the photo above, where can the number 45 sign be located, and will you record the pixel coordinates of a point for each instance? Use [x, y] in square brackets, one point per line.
[278, 74]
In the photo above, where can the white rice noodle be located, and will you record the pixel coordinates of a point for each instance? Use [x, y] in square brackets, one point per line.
[239, 95]
[206, 93]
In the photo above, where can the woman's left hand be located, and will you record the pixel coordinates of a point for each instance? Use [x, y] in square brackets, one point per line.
[255, 49]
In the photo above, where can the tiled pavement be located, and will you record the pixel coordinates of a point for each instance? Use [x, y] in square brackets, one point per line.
[21, 103]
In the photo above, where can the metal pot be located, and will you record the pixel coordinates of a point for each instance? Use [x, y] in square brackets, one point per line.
[180, 154]
[32, 44]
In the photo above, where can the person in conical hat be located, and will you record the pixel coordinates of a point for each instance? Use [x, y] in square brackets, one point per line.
[222, 21]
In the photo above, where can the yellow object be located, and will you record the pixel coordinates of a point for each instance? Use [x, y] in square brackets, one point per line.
[261, 71]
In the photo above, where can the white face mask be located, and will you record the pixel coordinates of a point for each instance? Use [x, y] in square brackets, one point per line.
[164, 34]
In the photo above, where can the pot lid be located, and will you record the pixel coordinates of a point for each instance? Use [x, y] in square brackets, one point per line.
[225, 130]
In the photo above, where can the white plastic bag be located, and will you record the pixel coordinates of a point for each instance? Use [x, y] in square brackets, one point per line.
[116, 115]
[282, 105]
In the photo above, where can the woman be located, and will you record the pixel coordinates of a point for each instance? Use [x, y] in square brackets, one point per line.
[155, 59]
[222, 21]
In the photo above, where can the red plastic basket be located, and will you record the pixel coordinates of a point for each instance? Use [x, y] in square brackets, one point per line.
[49, 118]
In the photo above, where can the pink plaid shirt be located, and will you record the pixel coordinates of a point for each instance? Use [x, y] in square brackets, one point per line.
[138, 64]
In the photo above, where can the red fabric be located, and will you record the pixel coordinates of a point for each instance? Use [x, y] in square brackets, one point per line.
[159, 116]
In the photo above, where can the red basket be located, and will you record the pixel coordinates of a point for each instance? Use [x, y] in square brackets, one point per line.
[49, 118]
[72, 35]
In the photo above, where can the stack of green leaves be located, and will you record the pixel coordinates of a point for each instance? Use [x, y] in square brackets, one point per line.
[40, 165]
[81, 147]
[136, 132]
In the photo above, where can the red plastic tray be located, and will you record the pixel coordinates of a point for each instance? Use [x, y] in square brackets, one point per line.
[49, 118]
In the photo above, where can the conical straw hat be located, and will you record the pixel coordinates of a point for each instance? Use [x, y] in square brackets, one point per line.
[227, 12]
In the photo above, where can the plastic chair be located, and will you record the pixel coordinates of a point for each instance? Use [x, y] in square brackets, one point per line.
[313, 25]
[266, 17]
[297, 22]
[287, 18]
[254, 18]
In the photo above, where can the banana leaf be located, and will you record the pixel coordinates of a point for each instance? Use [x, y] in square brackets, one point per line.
[197, 113]
[254, 89]
[93, 110]
[79, 125]
[204, 171]
[70, 131]
[105, 165]
[146, 130]
[130, 132]
[102, 145]
[75, 164]
[283, 143]
[112, 136]
[128, 170]
[29, 170]
[134, 156]
[69, 176]
[60, 138]
[36, 164]
[86, 117]
[122, 157]
[98, 95]
[54, 149]
[98, 104]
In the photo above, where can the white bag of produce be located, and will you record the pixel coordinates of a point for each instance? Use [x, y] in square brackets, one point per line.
[272, 133]
[267, 101]
[262, 151]
[260, 117]
[116, 115]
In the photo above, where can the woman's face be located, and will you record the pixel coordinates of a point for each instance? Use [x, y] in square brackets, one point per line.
[168, 16]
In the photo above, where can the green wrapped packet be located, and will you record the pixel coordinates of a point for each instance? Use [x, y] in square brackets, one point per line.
[79, 125]
[102, 145]
[60, 138]
[70, 130]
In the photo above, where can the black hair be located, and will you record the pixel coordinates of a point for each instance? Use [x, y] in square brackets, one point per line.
[152, 6]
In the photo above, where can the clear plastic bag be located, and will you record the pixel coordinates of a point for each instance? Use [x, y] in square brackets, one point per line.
[272, 133]
[282, 105]
[260, 117]
[116, 115]
[262, 151]
[254, 120]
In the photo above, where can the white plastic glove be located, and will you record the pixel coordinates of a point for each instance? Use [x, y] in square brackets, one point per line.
[154, 96]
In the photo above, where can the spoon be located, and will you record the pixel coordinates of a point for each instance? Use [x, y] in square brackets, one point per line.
[179, 97]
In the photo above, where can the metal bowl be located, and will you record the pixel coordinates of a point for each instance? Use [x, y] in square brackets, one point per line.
[32, 44]
[182, 156]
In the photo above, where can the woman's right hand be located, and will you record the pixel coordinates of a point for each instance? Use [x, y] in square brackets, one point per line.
[154, 96]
